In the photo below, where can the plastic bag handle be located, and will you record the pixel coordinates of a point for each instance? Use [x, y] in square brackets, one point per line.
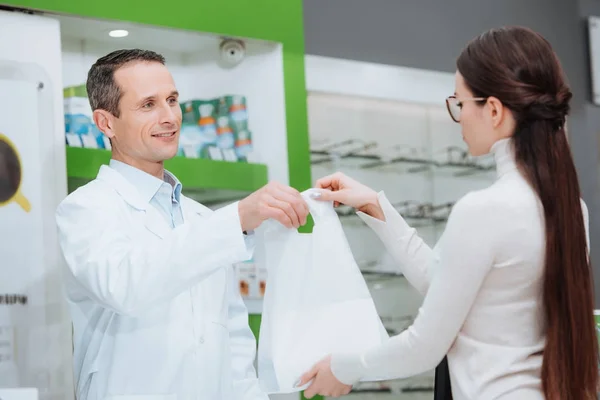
[319, 209]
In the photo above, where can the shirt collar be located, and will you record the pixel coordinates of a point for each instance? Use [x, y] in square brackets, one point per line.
[175, 184]
[146, 184]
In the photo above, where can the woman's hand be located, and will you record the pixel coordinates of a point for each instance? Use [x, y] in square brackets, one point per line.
[342, 189]
[324, 382]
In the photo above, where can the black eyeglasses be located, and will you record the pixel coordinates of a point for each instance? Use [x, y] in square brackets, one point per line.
[454, 106]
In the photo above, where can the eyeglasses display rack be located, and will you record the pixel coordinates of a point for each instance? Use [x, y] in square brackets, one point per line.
[416, 155]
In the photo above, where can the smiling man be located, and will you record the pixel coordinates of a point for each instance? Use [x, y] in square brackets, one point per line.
[149, 280]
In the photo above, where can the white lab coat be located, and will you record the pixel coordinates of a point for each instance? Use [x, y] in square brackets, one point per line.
[156, 315]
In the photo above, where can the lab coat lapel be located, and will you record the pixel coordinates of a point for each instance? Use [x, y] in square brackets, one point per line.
[153, 221]
[156, 223]
[191, 209]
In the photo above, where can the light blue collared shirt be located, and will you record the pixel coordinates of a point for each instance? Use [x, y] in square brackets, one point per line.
[164, 195]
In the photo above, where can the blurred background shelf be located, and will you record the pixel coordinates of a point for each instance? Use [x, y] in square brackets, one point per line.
[204, 180]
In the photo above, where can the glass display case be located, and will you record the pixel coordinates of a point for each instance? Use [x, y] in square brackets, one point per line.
[414, 153]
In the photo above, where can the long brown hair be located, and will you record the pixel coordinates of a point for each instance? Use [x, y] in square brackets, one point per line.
[519, 67]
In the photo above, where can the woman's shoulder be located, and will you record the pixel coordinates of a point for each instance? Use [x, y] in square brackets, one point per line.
[497, 204]
[480, 200]
[476, 208]
[506, 196]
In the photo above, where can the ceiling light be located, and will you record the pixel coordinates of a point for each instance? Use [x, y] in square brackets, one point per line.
[118, 33]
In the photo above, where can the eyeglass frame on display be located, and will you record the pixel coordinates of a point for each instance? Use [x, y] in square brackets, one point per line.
[416, 210]
[332, 155]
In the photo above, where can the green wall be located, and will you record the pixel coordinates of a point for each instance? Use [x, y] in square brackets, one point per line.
[274, 20]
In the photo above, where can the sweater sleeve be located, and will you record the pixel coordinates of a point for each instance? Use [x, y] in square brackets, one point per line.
[466, 254]
[413, 256]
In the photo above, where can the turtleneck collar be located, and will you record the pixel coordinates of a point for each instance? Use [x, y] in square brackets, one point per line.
[504, 155]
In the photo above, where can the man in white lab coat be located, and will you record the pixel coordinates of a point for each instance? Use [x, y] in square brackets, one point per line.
[156, 315]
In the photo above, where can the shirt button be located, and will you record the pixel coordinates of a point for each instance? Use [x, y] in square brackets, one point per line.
[201, 340]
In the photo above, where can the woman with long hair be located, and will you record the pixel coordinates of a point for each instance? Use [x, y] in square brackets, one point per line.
[508, 288]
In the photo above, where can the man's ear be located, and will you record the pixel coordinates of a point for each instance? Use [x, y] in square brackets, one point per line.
[104, 121]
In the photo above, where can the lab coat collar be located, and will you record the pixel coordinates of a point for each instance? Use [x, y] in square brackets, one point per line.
[146, 184]
[153, 221]
[126, 190]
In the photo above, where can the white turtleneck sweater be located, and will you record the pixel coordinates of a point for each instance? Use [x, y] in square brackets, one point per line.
[483, 293]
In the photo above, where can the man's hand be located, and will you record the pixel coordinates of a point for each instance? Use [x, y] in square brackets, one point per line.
[276, 201]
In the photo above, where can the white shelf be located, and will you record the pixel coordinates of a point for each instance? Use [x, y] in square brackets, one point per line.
[195, 63]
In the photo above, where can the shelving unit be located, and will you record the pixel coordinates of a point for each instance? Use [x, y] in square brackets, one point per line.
[412, 151]
[415, 213]
[453, 161]
[271, 77]
[204, 180]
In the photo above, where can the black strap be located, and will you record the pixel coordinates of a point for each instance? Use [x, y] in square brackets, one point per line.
[442, 390]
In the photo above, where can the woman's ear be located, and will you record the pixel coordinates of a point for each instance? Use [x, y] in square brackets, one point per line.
[497, 111]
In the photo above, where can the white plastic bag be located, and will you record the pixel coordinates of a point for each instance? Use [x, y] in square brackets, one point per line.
[316, 301]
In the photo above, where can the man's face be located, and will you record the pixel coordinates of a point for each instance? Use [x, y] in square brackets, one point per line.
[147, 130]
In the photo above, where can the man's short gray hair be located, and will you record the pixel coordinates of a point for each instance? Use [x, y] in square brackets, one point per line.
[103, 92]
